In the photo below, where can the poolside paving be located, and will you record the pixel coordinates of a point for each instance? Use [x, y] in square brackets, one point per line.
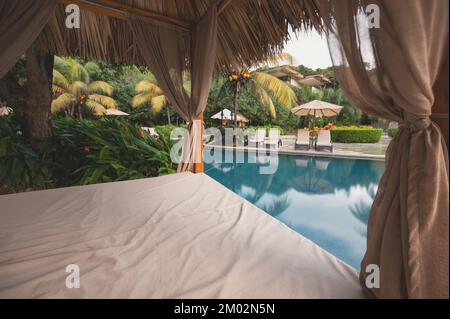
[375, 151]
[364, 150]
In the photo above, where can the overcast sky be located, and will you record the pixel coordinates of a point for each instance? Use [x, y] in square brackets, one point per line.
[309, 49]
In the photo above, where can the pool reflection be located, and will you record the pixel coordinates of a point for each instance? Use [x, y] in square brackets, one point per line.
[327, 200]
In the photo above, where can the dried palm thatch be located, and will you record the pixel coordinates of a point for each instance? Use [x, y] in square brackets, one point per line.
[249, 30]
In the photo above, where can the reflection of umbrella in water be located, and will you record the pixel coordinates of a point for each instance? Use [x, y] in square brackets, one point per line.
[309, 179]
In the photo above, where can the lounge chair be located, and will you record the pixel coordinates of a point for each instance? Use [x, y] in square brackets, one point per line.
[302, 142]
[258, 138]
[274, 138]
[324, 140]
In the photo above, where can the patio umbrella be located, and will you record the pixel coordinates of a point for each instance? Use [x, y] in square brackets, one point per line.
[317, 108]
[114, 112]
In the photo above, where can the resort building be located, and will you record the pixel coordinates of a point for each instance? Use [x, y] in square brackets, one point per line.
[293, 77]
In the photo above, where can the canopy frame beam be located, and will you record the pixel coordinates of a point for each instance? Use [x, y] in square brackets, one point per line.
[117, 10]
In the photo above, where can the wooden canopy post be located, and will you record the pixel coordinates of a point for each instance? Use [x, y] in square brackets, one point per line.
[199, 166]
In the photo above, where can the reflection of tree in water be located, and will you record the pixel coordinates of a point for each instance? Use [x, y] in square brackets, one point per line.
[345, 173]
[278, 206]
[340, 174]
[361, 210]
[304, 175]
[260, 189]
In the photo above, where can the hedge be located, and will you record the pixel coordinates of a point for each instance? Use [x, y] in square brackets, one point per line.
[392, 131]
[356, 135]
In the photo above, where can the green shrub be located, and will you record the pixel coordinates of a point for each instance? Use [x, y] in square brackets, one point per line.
[392, 131]
[21, 167]
[106, 150]
[356, 134]
[81, 152]
[167, 129]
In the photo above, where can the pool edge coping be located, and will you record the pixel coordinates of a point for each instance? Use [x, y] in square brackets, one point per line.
[307, 153]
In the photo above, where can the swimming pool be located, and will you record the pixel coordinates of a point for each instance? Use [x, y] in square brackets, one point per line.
[325, 199]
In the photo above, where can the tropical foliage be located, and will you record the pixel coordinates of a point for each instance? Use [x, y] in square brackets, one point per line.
[266, 87]
[75, 91]
[81, 152]
[149, 93]
[106, 150]
[101, 149]
[20, 166]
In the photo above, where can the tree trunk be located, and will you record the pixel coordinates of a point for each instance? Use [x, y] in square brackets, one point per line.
[80, 111]
[235, 102]
[36, 114]
[168, 115]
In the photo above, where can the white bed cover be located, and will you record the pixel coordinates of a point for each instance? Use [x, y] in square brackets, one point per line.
[177, 236]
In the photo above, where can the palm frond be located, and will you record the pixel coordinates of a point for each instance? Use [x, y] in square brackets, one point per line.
[61, 65]
[280, 90]
[57, 89]
[141, 99]
[149, 76]
[100, 87]
[265, 99]
[60, 80]
[95, 107]
[146, 86]
[77, 72]
[158, 103]
[62, 102]
[78, 88]
[106, 101]
[92, 68]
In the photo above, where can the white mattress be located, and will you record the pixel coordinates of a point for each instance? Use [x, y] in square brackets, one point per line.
[178, 236]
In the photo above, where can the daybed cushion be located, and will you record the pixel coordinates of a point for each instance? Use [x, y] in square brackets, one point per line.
[178, 236]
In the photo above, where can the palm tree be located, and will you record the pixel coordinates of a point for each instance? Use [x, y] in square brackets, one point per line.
[349, 114]
[74, 91]
[265, 85]
[150, 93]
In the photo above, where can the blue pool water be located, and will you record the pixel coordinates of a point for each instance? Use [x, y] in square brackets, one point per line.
[325, 199]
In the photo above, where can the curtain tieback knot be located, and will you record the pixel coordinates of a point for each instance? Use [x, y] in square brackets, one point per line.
[417, 124]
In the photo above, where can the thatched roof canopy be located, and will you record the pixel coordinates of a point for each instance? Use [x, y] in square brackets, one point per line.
[249, 30]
